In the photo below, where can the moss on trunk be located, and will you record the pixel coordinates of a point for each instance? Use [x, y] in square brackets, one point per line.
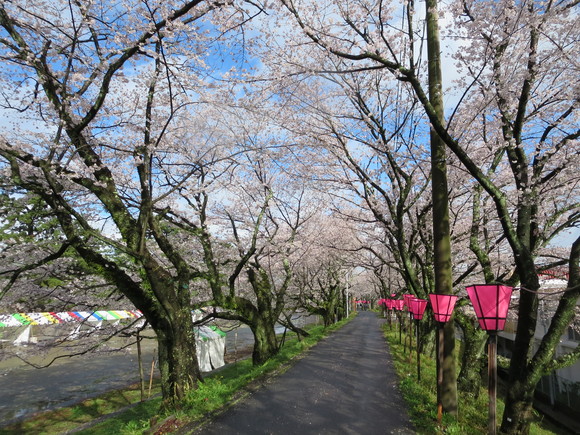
[177, 357]
[265, 343]
[474, 339]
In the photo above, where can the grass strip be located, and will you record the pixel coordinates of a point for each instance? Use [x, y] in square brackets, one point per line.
[421, 397]
[122, 412]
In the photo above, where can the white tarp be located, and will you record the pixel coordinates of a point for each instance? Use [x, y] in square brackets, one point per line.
[211, 345]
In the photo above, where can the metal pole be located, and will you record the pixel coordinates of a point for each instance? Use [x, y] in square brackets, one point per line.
[492, 380]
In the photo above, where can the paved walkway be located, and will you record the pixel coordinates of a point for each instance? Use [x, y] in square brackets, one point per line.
[345, 385]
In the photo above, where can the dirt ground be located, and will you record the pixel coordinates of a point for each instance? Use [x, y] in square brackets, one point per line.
[238, 355]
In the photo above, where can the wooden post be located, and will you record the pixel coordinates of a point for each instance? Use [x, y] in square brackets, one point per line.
[418, 352]
[400, 327]
[440, 343]
[492, 380]
[140, 362]
[410, 334]
[151, 377]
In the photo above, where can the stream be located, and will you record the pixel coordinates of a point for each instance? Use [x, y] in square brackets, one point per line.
[27, 390]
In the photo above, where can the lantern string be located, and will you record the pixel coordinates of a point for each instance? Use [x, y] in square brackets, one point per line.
[547, 293]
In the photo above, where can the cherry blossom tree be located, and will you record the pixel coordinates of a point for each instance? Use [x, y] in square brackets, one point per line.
[373, 130]
[106, 101]
[322, 291]
[518, 91]
[260, 274]
[323, 275]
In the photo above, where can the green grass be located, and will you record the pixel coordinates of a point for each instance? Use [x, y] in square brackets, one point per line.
[68, 418]
[421, 398]
[121, 412]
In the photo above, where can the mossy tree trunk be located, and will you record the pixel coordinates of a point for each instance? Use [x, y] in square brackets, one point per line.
[441, 231]
[264, 318]
[265, 340]
[525, 373]
[83, 180]
[262, 313]
[473, 347]
[323, 293]
[178, 363]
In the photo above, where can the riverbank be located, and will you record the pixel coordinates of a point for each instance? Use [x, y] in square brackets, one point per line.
[219, 388]
[27, 390]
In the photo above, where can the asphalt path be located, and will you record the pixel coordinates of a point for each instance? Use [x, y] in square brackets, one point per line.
[346, 384]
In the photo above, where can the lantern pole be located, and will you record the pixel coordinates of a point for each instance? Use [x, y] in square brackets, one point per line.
[418, 308]
[400, 314]
[491, 305]
[492, 381]
[440, 356]
[407, 298]
[442, 306]
[397, 305]
[410, 334]
[418, 351]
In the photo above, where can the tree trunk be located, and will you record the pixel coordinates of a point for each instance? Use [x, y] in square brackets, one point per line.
[177, 356]
[470, 376]
[518, 408]
[518, 404]
[265, 343]
[327, 318]
[519, 400]
[441, 232]
[262, 318]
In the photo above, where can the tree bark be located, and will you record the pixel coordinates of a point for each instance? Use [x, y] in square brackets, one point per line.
[519, 400]
[177, 357]
[441, 232]
[263, 319]
[474, 339]
[265, 342]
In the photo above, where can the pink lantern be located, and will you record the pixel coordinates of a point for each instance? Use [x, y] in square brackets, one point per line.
[491, 303]
[407, 300]
[390, 304]
[418, 307]
[442, 306]
[398, 304]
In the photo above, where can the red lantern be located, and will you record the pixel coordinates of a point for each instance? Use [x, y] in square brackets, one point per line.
[418, 307]
[491, 303]
[407, 301]
[442, 306]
